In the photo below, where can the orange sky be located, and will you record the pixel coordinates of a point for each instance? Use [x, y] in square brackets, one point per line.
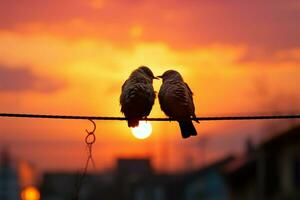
[71, 57]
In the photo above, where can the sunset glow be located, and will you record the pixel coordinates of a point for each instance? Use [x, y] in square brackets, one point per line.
[71, 57]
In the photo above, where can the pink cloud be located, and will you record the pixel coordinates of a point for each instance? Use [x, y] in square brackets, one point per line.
[22, 79]
[184, 24]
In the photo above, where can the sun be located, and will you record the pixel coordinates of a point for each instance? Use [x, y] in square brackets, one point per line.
[30, 193]
[142, 131]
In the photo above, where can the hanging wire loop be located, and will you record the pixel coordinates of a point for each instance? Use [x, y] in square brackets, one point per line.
[91, 137]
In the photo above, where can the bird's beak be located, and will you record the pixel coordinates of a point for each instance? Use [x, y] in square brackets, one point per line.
[158, 77]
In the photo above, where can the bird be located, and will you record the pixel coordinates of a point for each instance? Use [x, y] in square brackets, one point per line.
[176, 101]
[137, 95]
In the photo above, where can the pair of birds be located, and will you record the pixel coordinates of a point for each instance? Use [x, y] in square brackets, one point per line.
[175, 98]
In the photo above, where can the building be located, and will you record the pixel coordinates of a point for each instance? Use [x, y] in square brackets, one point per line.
[134, 179]
[9, 187]
[115, 185]
[65, 186]
[206, 183]
[130, 171]
[270, 172]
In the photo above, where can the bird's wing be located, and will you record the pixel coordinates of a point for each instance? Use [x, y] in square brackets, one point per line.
[189, 89]
[162, 99]
[192, 101]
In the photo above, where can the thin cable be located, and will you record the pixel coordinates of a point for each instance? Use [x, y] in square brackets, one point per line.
[213, 118]
[90, 139]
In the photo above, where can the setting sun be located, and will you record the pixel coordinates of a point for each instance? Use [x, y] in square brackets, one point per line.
[143, 131]
[30, 193]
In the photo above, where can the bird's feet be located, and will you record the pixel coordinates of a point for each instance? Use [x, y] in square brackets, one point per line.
[145, 118]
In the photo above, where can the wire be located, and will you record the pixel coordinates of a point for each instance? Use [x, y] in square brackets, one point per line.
[90, 139]
[213, 118]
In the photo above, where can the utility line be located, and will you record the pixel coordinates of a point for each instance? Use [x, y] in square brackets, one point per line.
[212, 118]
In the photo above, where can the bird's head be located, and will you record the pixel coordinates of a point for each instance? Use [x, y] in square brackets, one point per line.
[147, 72]
[170, 75]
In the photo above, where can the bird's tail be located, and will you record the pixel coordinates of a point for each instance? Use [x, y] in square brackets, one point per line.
[133, 123]
[187, 128]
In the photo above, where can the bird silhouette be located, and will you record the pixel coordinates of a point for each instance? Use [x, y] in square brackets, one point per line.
[137, 96]
[176, 101]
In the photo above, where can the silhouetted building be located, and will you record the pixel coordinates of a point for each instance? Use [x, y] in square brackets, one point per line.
[206, 183]
[130, 171]
[271, 172]
[64, 186]
[112, 186]
[9, 187]
[134, 167]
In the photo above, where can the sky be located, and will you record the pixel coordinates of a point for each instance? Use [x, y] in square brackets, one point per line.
[71, 57]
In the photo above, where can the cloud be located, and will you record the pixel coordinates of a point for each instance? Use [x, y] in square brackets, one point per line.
[259, 55]
[180, 24]
[23, 79]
